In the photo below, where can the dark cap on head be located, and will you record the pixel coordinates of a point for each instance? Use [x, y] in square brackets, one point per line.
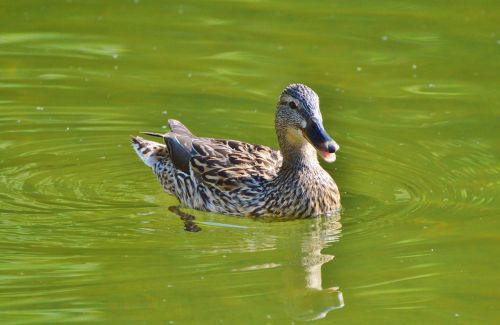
[299, 91]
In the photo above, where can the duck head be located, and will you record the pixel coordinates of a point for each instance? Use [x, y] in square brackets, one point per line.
[299, 123]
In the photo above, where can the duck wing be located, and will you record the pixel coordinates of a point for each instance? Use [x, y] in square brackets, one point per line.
[225, 164]
[231, 164]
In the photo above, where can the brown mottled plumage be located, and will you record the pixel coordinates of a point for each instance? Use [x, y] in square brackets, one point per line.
[233, 177]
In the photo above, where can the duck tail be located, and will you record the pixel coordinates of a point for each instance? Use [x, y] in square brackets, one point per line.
[150, 152]
[154, 134]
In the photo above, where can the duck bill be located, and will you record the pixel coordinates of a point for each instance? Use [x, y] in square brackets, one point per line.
[315, 133]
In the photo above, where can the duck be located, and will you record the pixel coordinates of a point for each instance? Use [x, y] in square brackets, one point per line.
[237, 178]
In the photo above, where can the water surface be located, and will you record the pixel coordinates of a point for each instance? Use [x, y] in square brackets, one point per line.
[408, 89]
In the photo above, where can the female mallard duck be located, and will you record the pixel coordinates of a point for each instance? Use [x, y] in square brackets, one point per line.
[233, 177]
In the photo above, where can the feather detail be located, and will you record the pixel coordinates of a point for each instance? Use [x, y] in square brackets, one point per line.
[238, 178]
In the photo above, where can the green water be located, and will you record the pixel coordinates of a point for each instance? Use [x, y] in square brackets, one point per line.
[409, 89]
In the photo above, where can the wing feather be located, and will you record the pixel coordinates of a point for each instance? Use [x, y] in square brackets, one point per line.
[225, 164]
[231, 165]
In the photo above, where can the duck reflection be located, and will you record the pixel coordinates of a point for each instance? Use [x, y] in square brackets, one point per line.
[307, 299]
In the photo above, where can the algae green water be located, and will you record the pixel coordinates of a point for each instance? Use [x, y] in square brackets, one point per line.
[409, 89]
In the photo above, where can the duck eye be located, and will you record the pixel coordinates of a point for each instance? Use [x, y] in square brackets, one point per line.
[293, 105]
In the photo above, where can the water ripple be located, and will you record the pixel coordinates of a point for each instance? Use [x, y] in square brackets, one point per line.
[58, 45]
[57, 171]
[462, 178]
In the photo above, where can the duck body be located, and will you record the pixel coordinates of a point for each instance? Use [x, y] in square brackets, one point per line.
[237, 178]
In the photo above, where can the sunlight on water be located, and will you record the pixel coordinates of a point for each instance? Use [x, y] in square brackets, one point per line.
[408, 90]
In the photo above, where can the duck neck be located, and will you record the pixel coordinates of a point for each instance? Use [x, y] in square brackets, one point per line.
[297, 152]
